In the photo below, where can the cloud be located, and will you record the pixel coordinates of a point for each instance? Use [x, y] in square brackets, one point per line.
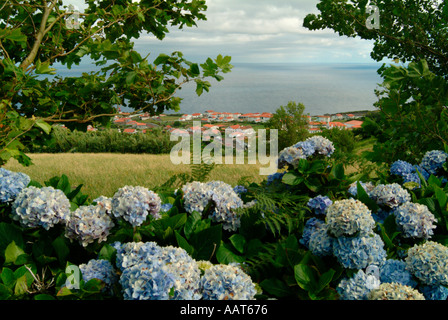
[256, 31]
[259, 31]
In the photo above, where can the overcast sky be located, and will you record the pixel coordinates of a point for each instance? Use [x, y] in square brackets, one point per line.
[256, 31]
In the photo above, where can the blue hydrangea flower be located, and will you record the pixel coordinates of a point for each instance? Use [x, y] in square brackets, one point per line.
[395, 291]
[434, 292]
[290, 157]
[319, 204]
[433, 161]
[320, 243]
[87, 224]
[395, 271]
[11, 183]
[355, 288]
[174, 263]
[348, 217]
[401, 168]
[390, 195]
[359, 252]
[367, 186]
[224, 200]
[186, 273]
[134, 204]
[133, 253]
[227, 282]
[105, 203]
[322, 145]
[41, 207]
[178, 273]
[415, 220]
[428, 263]
[308, 148]
[149, 280]
[99, 269]
[311, 225]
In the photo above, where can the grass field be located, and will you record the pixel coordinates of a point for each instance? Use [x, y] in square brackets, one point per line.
[103, 174]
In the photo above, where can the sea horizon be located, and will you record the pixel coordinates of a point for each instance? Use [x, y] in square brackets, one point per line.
[323, 88]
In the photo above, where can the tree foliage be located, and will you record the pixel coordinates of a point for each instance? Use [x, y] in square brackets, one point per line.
[291, 124]
[413, 96]
[408, 30]
[36, 35]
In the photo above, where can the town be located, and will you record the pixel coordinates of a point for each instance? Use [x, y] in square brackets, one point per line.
[235, 123]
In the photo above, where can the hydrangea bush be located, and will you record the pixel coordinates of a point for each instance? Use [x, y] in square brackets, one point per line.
[309, 231]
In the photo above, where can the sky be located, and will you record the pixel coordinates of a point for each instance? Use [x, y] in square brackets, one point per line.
[256, 31]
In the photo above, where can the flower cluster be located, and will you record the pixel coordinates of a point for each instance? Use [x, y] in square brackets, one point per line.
[347, 234]
[433, 161]
[320, 242]
[11, 183]
[315, 145]
[134, 204]
[349, 217]
[222, 197]
[319, 204]
[434, 292]
[390, 196]
[322, 145]
[89, 223]
[290, 156]
[408, 172]
[357, 287]
[311, 225]
[428, 263]
[395, 271]
[359, 252]
[395, 291]
[227, 282]
[41, 207]
[415, 220]
[152, 272]
[99, 269]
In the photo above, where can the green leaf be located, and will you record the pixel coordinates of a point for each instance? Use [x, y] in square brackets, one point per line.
[192, 222]
[325, 279]
[43, 125]
[305, 277]
[130, 78]
[206, 242]
[8, 277]
[183, 243]
[12, 252]
[225, 255]
[292, 179]
[13, 35]
[276, 288]
[61, 248]
[238, 242]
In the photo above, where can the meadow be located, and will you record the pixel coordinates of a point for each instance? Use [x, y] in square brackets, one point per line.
[103, 173]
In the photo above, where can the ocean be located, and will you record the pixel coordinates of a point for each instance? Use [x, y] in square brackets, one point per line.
[322, 88]
[254, 87]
